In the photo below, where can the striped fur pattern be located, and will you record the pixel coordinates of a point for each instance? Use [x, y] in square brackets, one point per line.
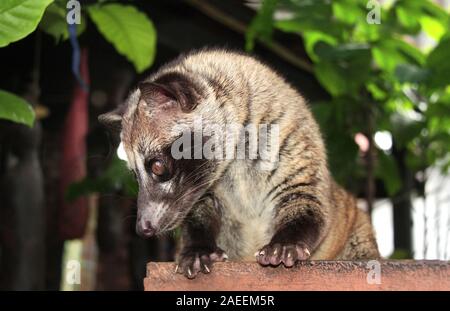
[230, 208]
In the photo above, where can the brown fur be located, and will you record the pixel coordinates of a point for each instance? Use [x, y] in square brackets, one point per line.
[293, 212]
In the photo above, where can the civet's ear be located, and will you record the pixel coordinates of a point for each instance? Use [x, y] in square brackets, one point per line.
[113, 119]
[172, 88]
[156, 94]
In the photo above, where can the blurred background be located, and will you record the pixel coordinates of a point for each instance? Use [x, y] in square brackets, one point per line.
[375, 73]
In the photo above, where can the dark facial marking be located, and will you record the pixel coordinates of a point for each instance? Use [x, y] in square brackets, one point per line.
[172, 87]
[160, 169]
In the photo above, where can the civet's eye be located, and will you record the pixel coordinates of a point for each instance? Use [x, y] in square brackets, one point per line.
[158, 169]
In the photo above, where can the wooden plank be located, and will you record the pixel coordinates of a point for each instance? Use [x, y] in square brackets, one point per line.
[311, 275]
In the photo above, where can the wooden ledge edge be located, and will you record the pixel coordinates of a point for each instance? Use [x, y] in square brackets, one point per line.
[408, 275]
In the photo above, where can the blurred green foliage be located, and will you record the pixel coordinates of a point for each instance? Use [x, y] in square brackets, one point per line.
[18, 18]
[54, 21]
[130, 31]
[400, 254]
[117, 178]
[376, 76]
[16, 109]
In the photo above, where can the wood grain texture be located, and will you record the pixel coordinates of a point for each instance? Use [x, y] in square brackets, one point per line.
[311, 275]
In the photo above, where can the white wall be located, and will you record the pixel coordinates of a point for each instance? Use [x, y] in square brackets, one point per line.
[436, 240]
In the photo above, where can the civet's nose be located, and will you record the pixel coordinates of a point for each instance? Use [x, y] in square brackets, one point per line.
[144, 228]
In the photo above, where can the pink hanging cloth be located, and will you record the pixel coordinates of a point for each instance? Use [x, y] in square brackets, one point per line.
[74, 214]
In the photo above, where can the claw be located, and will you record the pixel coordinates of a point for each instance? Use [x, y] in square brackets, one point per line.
[176, 268]
[189, 272]
[286, 253]
[207, 269]
[307, 252]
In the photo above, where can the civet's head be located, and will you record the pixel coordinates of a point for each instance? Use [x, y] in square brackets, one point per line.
[152, 118]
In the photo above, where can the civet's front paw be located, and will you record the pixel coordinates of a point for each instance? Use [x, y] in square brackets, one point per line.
[288, 254]
[191, 261]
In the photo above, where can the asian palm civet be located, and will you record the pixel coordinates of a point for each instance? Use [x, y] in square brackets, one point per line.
[231, 208]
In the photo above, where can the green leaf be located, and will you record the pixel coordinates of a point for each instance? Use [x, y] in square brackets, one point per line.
[343, 52]
[322, 112]
[54, 23]
[377, 92]
[349, 11]
[365, 32]
[310, 15]
[411, 73]
[413, 16]
[262, 24]
[404, 129]
[432, 27]
[344, 68]
[301, 25]
[438, 62]
[408, 19]
[401, 254]
[130, 31]
[311, 38]
[330, 78]
[387, 170]
[316, 12]
[19, 18]
[388, 53]
[16, 109]
[343, 153]
[117, 177]
[340, 144]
